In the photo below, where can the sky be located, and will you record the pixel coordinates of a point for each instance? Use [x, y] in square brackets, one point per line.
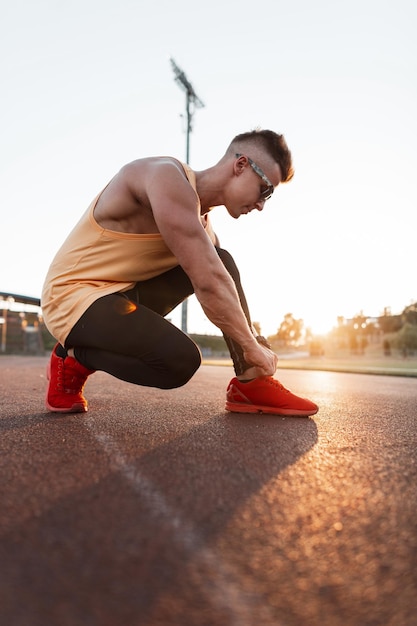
[87, 86]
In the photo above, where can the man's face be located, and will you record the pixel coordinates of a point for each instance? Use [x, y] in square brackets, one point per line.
[252, 185]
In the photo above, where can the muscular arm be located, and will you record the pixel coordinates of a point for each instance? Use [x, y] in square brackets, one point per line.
[175, 208]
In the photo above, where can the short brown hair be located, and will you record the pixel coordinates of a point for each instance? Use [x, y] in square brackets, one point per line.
[273, 144]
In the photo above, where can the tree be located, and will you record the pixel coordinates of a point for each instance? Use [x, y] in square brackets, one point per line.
[407, 338]
[290, 330]
[410, 314]
[389, 323]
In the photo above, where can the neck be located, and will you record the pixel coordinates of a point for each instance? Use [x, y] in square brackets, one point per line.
[209, 188]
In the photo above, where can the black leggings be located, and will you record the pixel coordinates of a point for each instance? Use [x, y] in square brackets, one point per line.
[126, 335]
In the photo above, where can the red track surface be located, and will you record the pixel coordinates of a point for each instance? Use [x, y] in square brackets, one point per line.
[158, 508]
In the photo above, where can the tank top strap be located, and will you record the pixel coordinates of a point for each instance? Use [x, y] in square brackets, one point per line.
[190, 174]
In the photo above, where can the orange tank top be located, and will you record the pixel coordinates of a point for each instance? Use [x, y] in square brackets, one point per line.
[94, 262]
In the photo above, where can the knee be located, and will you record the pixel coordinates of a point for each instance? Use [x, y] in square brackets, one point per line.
[186, 364]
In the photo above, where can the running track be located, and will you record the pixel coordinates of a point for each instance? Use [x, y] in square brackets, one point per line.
[158, 508]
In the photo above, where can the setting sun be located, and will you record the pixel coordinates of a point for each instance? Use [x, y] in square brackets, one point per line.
[320, 325]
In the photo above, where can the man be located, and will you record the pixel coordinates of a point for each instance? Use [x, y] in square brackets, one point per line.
[143, 246]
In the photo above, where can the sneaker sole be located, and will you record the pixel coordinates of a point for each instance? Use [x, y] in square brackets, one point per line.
[76, 408]
[236, 407]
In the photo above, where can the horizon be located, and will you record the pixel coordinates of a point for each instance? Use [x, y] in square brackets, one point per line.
[10, 301]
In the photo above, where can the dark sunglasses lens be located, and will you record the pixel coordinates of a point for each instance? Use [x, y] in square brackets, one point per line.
[267, 193]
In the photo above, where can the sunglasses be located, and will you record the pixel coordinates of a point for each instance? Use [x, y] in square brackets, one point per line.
[266, 193]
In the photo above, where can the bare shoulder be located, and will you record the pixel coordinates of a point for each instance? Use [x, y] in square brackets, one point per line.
[167, 183]
[127, 204]
[151, 167]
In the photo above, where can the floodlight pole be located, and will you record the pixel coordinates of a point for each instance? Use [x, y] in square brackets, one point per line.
[192, 102]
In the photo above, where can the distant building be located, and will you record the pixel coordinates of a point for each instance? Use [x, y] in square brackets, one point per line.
[21, 325]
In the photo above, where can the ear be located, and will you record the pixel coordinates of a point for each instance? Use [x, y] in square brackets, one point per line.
[240, 164]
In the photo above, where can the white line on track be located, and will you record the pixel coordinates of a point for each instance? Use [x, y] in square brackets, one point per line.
[219, 580]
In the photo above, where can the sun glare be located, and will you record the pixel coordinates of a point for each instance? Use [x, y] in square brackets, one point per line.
[320, 325]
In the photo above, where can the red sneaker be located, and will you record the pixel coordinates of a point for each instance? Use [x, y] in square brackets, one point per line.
[66, 378]
[266, 395]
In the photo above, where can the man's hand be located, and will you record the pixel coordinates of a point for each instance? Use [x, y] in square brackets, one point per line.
[263, 361]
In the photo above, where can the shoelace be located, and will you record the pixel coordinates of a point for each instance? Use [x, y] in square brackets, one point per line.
[60, 376]
[275, 383]
[69, 380]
